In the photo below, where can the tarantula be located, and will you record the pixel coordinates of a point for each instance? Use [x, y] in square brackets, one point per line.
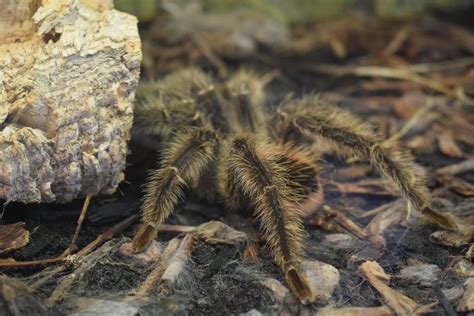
[220, 141]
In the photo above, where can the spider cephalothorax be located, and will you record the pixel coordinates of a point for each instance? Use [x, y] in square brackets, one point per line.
[220, 141]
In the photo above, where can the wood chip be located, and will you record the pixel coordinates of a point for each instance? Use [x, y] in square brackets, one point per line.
[449, 238]
[391, 216]
[448, 145]
[216, 232]
[145, 258]
[376, 276]
[356, 311]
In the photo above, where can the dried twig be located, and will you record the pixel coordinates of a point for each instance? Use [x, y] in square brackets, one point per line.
[334, 218]
[176, 229]
[10, 262]
[377, 210]
[85, 207]
[107, 235]
[177, 263]
[155, 275]
[393, 73]
[173, 229]
[63, 287]
[460, 63]
[397, 41]
[209, 54]
[412, 122]
[467, 165]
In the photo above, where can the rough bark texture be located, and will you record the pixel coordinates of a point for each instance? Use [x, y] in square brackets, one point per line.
[68, 73]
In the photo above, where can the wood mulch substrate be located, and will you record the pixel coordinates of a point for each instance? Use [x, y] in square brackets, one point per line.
[413, 80]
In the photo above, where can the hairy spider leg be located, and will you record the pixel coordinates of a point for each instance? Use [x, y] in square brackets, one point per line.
[256, 174]
[246, 100]
[184, 161]
[309, 117]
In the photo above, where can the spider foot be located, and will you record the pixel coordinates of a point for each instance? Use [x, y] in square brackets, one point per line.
[145, 235]
[298, 285]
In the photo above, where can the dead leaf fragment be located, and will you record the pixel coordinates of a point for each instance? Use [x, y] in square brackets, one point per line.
[13, 236]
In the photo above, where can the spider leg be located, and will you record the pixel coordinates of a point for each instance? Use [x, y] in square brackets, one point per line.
[169, 103]
[245, 109]
[309, 118]
[301, 170]
[155, 119]
[255, 172]
[184, 161]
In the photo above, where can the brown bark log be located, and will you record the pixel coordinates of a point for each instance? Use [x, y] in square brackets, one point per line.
[68, 73]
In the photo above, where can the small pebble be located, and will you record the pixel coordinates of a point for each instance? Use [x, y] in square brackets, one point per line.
[453, 294]
[322, 279]
[252, 312]
[83, 306]
[339, 241]
[424, 274]
[278, 290]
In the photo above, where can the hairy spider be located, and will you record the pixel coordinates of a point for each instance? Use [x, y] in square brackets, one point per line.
[220, 141]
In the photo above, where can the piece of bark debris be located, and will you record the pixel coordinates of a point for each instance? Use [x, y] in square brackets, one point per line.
[466, 304]
[424, 274]
[322, 278]
[13, 236]
[216, 232]
[382, 221]
[16, 299]
[143, 259]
